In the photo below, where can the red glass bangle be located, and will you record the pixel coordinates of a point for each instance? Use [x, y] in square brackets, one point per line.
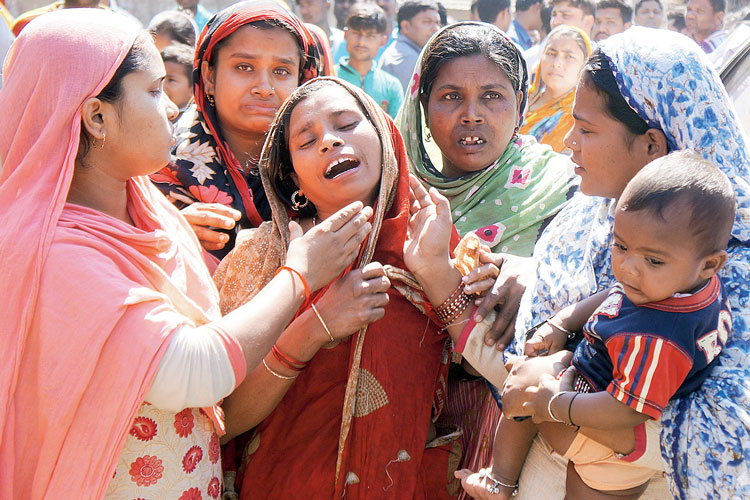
[302, 278]
[287, 361]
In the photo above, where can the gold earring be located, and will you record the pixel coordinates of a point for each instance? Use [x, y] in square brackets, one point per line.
[211, 100]
[104, 138]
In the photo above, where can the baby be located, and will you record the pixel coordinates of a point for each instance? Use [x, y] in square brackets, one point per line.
[653, 337]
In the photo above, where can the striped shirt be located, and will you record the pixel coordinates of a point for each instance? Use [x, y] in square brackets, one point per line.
[646, 355]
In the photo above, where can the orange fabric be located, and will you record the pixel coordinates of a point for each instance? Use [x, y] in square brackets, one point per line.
[26, 17]
[90, 302]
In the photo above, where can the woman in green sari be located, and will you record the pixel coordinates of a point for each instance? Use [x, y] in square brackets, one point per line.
[460, 123]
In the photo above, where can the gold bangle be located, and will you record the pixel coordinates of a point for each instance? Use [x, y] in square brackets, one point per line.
[325, 327]
[278, 375]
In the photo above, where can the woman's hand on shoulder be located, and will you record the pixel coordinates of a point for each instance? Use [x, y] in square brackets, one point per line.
[355, 301]
[326, 250]
[206, 218]
[512, 275]
[429, 229]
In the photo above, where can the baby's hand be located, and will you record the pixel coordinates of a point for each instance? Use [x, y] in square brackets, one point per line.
[545, 340]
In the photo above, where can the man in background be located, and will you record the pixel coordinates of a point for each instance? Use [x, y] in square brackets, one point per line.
[495, 12]
[612, 17]
[703, 20]
[367, 31]
[316, 12]
[417, 21]
[528, 18]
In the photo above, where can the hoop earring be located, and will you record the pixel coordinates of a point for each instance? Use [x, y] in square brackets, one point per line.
[515, 134]
[104, 139]
[211, 100]
[299, 200]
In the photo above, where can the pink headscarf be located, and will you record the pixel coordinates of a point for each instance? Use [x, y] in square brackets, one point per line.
[89, 302]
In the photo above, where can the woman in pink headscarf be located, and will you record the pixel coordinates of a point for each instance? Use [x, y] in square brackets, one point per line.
[113, 353]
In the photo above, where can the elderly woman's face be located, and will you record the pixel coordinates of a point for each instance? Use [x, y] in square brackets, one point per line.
[472, 113]
[335, 150]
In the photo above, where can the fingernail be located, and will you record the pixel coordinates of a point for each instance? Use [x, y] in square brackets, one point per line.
[478, 318]
[500, 347]
[489, 342]
[464, 279]
[224, 237]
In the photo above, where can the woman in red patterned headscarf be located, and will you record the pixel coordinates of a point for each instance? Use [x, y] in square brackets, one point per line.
[250, 57]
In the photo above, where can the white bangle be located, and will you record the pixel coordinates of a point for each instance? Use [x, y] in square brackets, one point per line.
[549, 407]
[558, 327]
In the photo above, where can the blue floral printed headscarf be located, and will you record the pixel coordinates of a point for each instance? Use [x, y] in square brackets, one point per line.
[670, 83]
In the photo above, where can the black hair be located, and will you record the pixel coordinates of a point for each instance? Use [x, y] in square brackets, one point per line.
[718, 5]
[411, 8]
[697, 185]
[280, 171]
[176, 25]
[597, 73]
[265, 24]
[587, 6]
[468, 40]
[546, 15]
[487, 10]
[523, 5]
[443, 13]
[367, 16]
[180, 54]
[677, 17]
[626, 10]
[135, 60]
[641, 2]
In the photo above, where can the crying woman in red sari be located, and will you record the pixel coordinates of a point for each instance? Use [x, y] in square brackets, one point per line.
[344, 404]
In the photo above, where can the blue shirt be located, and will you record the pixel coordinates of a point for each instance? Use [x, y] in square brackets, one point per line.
[518, 34]
[400, 59]
[385, 89]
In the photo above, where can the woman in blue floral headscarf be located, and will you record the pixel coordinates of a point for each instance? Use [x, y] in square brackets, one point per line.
[670, 99]
[669, 83]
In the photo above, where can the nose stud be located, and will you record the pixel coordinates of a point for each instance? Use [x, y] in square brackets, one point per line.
[574, 143]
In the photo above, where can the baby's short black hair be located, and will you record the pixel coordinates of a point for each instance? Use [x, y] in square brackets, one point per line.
[697, 185]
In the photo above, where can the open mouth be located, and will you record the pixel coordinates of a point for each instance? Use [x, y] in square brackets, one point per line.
[340, 166]
[471, 141]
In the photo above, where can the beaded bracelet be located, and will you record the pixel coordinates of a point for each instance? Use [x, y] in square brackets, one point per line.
[302, 278]
[278, 375]
[287, 361]
[454, 306]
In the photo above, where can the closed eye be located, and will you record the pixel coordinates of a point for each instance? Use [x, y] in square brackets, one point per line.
[349, 126]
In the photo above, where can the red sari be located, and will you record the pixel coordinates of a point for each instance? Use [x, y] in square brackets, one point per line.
[400, 389]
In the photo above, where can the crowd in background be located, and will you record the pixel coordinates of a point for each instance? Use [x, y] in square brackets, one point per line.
[270, 197]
